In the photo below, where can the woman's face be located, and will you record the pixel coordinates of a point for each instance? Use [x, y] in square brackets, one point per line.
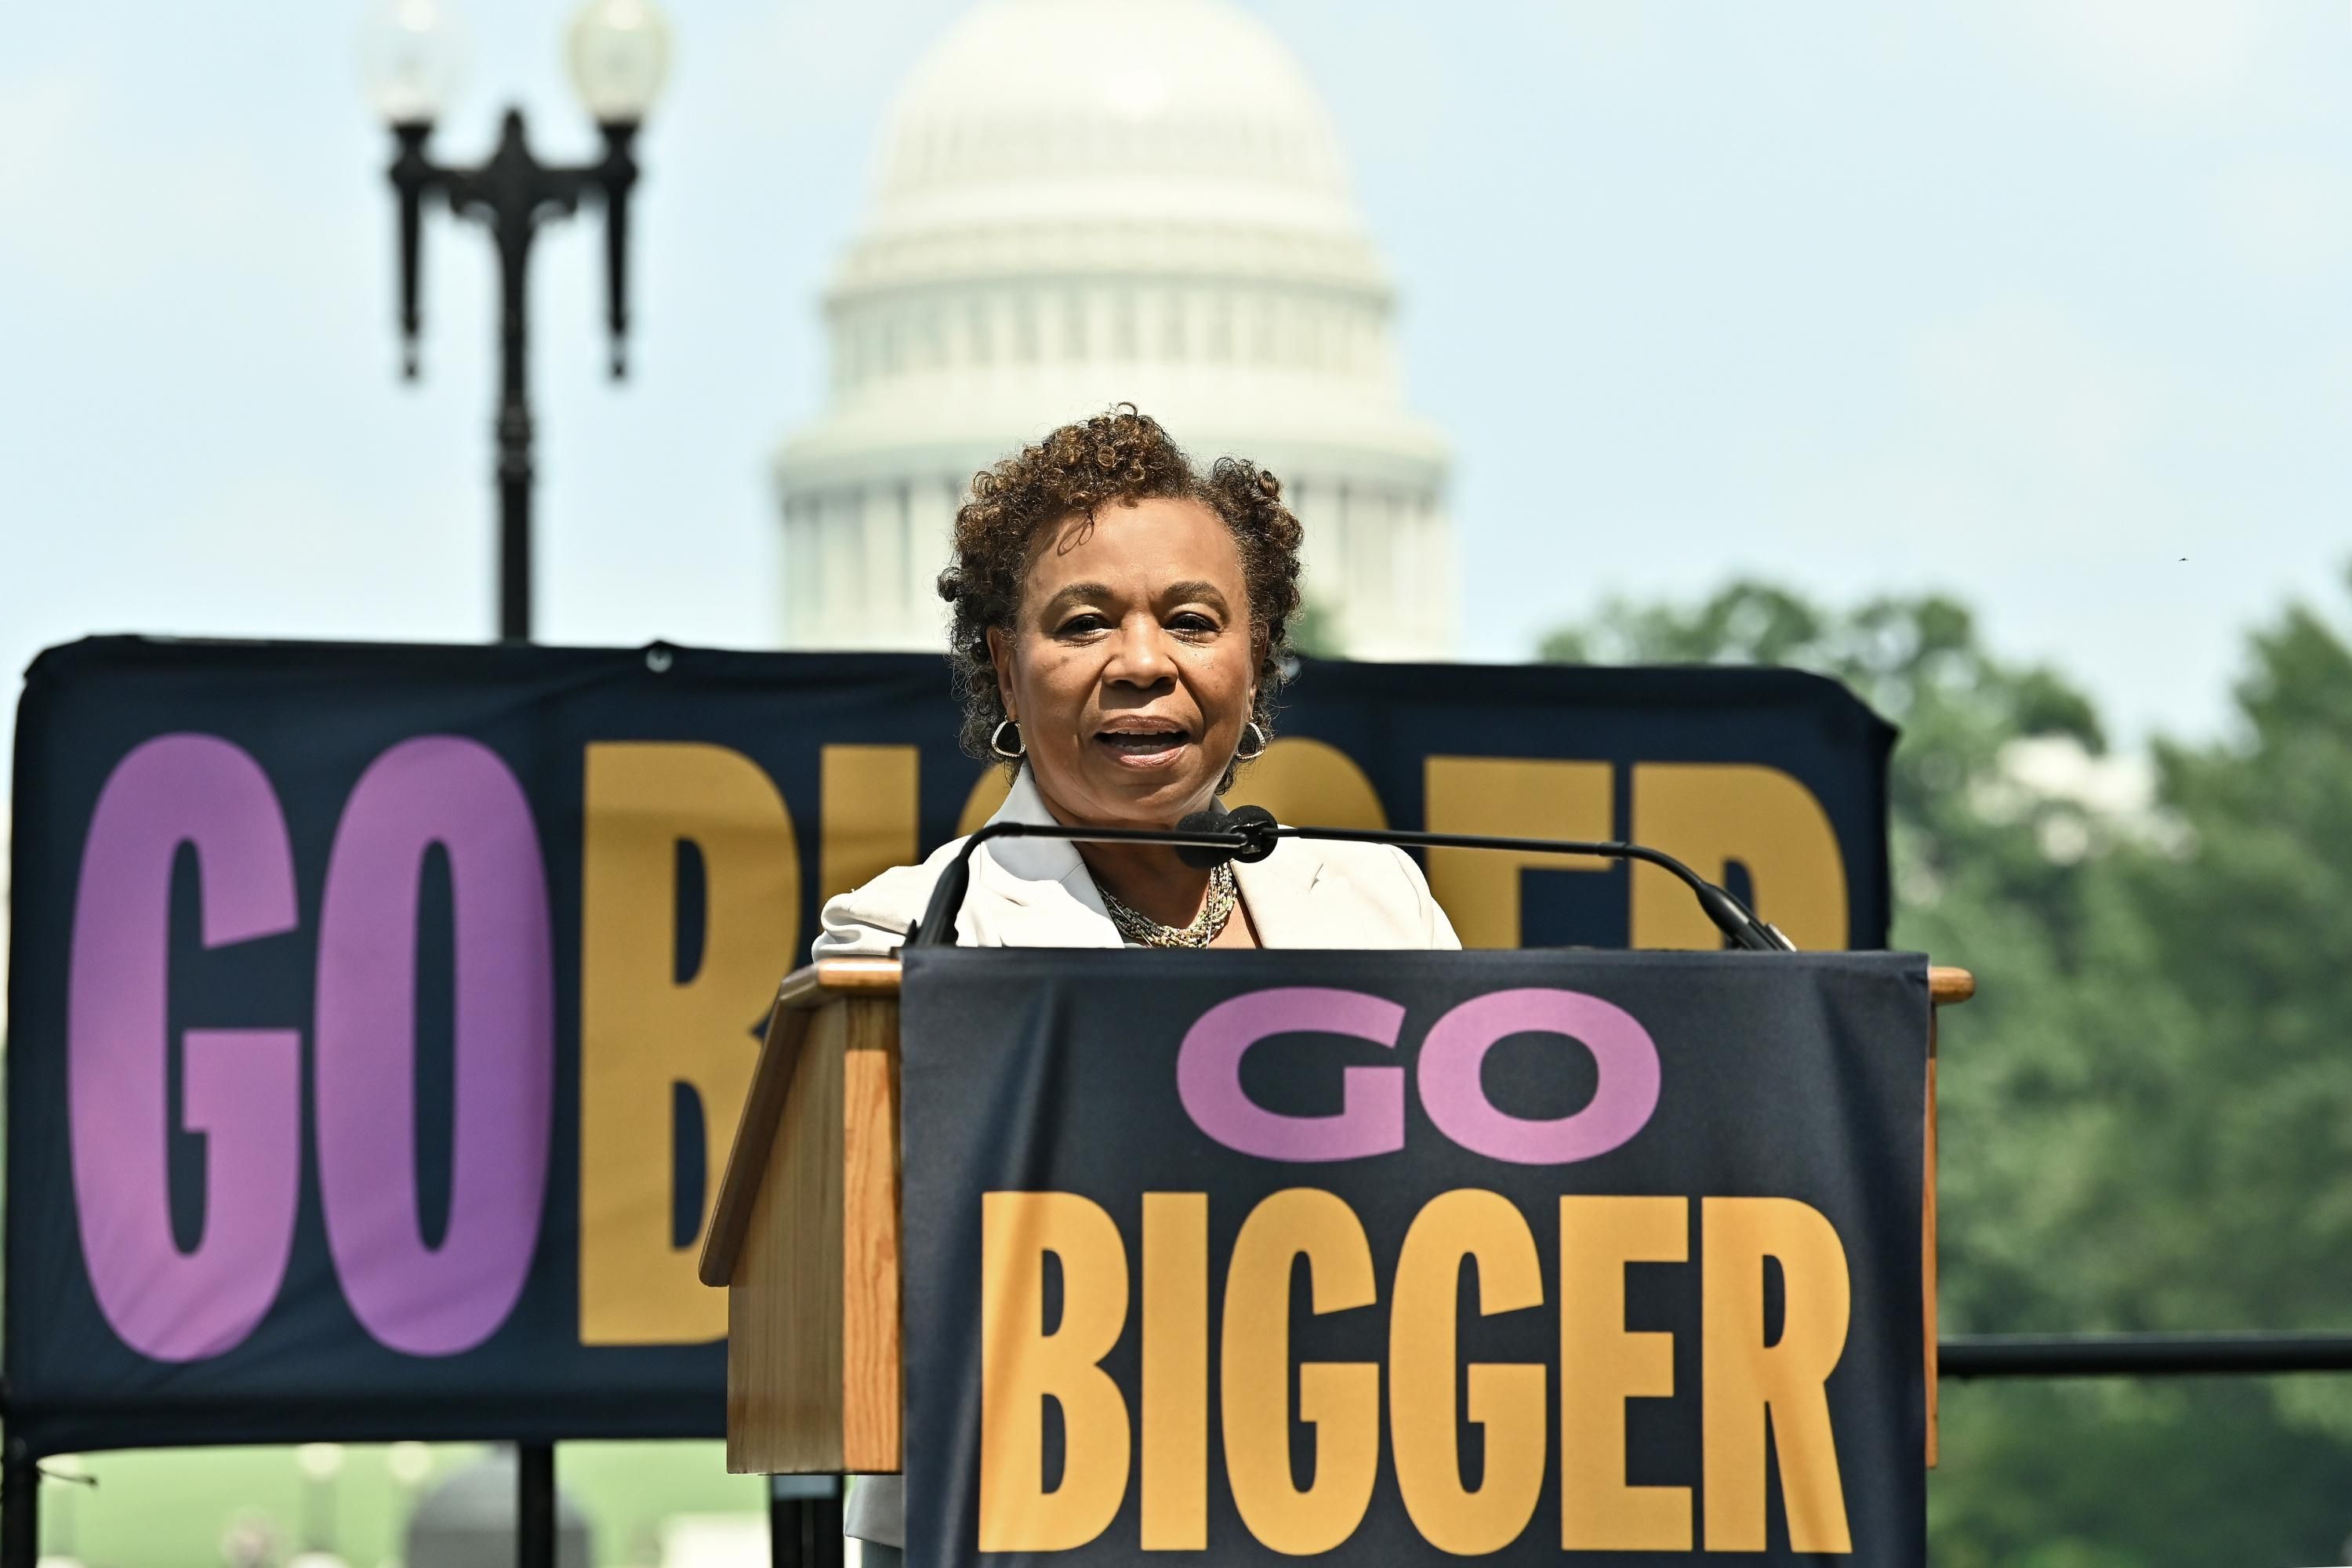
[1131, 665]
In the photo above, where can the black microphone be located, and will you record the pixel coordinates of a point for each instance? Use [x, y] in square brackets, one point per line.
[1249, 834]
[1254, 822]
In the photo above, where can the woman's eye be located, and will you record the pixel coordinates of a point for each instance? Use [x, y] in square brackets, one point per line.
[1192, 621]
[1077, 626]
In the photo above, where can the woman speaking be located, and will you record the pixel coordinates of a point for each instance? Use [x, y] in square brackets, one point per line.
[1120, 623]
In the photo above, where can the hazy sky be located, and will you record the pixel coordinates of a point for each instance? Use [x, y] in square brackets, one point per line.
[2046, 303]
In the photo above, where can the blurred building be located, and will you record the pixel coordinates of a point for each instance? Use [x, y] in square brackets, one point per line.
[1082, 202]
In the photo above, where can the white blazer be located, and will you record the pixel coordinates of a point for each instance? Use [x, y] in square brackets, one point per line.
[1036, 892]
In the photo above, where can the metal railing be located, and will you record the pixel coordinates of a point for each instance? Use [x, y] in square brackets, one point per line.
[2250, 1353]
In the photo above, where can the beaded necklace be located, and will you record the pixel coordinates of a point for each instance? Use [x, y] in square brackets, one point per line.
[1137, 927]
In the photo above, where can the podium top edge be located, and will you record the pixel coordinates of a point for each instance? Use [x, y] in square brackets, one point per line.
[813, 984]
[1947, 984]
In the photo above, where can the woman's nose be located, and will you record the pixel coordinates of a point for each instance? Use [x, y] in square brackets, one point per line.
[1140, 653]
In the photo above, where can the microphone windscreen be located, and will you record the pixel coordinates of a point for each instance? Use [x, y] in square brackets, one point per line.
[1210, 819]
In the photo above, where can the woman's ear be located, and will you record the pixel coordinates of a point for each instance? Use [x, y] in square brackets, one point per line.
[1000, 654]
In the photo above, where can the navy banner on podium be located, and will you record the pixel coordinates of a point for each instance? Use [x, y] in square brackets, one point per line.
[1269, 1255]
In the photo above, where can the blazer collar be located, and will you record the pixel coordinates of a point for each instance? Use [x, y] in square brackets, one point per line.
[1043, 895]
[1034, 860]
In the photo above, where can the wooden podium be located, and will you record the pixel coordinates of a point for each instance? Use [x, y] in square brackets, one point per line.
[805, 1234]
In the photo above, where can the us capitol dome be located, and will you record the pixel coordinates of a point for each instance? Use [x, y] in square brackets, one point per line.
[1084, 202]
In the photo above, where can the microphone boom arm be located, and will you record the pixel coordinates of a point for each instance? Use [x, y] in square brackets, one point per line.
[1256, 839]
[1733, 919]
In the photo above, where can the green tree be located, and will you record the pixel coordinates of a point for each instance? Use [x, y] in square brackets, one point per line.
[2188, 1163]
[2147, 1114]
[1918, 662]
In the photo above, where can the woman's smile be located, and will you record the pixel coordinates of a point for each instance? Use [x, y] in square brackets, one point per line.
[1144, 740]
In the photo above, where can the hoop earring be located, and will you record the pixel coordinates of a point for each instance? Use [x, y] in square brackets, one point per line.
[1262, 742]
[996, 740]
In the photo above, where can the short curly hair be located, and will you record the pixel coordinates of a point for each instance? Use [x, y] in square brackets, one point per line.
[1117, 457]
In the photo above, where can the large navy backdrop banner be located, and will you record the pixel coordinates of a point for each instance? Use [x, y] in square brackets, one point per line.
[1270, 1255]
[380, 1016]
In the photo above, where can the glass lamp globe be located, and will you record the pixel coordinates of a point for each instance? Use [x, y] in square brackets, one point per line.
[320, 1461]
[619, 54]
[412, 59]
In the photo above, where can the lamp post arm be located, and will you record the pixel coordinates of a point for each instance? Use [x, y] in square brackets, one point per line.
[511, 194]
[513, 190]
[615, 178]
[412, 175]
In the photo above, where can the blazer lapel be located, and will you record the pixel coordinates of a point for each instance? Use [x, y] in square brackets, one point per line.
[1036, 892]
[1279, 892]
[1021, 912]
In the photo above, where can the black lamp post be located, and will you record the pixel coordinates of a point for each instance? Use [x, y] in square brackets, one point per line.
[412, 57]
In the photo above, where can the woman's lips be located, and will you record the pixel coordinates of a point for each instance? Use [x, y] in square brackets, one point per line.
[1143, 748]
